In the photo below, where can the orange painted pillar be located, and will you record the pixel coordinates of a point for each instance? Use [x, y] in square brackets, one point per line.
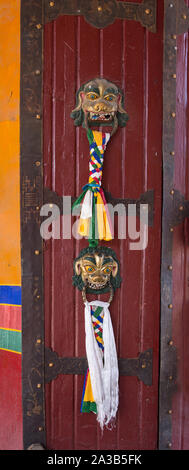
[10, 262]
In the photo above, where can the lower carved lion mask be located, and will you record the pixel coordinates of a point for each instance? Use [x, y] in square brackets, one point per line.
[97, 270]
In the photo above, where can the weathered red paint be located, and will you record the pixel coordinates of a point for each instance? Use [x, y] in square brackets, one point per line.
[180, 409]
[11, 395]
[130, 56]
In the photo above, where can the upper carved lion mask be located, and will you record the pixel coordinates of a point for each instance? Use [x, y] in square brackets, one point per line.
[99, 102]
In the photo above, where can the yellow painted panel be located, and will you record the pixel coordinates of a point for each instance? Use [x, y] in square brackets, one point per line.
[9, 204]
[9, 59]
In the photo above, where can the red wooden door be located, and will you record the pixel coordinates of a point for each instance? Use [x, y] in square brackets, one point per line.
[131, 56]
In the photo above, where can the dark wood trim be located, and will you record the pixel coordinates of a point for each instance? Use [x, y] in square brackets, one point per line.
[167, 350]
[31, 190]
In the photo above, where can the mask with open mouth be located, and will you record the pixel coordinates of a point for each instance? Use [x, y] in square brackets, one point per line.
[100, 102]
[96, 270]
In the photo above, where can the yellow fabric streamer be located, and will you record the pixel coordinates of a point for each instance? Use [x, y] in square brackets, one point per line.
[104, 231]
[83, 227]
[88, 390]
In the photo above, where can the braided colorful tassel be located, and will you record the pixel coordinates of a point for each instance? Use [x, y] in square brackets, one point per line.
[100, 390]
[88, 404]
[95, 222]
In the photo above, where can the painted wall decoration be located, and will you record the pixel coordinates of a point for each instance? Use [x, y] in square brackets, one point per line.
[98, 103]
[10, 262]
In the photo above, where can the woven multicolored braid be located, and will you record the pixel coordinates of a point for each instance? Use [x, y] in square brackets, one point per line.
[96, 157]
[88, 404]
[95, 222]
[100, 391]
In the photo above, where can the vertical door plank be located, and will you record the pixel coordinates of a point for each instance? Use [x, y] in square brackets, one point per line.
[131, 261]
[60, 177]
[180, 414]
[152, 255]
[111, 68]
[88, 60]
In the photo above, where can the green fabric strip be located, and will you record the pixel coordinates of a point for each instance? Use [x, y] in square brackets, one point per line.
[93, 243]
[92, 140]
[79, 199]
[90, 136]
[11, 340]
[94, 217]
[94, 165]
[97, 312]
[88, 406]
[99, 332]
[92, 240]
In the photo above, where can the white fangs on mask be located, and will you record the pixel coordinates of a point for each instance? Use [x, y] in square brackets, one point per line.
[101, 116]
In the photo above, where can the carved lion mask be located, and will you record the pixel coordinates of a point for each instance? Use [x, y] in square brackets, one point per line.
[99, 102]
[97, 269]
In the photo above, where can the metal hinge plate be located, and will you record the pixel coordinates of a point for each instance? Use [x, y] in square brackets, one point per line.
[101, 13]
[51, 197]
[142, 366]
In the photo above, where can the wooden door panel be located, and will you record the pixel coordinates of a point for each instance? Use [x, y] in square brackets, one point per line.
[59, 157]
[128, 55]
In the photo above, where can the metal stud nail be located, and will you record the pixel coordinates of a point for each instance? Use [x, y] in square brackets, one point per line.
[172, 191]
[38, 26]
[170, 343]
[143, 366]
[169, 444]
[184, 17]
[40, 428]
[181, 208]
[170, 306]
[36, 252]
[147, 11]
[170, 267]
[174, 36]
[51, 4]
[51, 364]
[38, 116]
[174, 75]
[170, 412]
[38, 163]
[38, 385]
[173, 114]
[172, 153]
[38, 341]
[171, 229]
[99, 9]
